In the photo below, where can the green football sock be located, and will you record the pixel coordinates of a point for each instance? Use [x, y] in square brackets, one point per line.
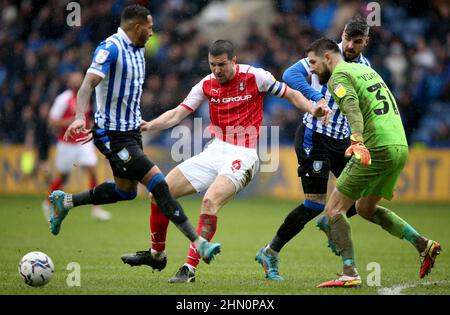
[395, 225]
[341, 235]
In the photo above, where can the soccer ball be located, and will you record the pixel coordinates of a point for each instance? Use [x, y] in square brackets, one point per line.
[36, 269]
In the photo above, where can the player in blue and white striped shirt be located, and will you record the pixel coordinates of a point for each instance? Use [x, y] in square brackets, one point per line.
[319, 148]
[117, 73]
[121, 65]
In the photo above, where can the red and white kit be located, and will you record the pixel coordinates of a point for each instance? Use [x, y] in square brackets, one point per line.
[236, 114]
[70, 152]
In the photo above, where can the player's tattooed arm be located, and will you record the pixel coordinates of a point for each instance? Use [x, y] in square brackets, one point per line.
[84, 93]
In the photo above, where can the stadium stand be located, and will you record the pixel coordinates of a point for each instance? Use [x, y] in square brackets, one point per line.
[38, 49]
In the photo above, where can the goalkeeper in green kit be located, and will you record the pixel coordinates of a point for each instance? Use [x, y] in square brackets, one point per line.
[379, 152]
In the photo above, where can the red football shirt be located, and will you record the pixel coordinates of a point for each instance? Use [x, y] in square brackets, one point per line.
[236, 107]
[65, 106]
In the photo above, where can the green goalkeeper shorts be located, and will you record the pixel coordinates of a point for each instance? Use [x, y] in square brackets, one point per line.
[377, 179]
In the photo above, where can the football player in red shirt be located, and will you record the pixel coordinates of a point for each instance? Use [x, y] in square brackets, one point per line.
[235, 95]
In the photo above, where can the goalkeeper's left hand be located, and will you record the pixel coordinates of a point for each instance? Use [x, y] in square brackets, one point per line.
[359, 150]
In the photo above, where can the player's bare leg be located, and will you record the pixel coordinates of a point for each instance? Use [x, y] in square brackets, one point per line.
[218, 194]
[178, 186]
[368, 208]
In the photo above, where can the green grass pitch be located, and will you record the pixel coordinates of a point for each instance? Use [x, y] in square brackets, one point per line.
[244, 226]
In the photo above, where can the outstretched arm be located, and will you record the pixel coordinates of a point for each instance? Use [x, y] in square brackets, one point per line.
[168, 119]
[295, 76]
[300, 101]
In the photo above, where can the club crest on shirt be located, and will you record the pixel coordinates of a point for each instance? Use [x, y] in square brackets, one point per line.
[241, 86]
[124, 155]
[340, 91]
[101, 56]
[317, 166]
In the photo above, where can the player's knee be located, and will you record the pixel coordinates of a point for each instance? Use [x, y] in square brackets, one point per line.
[108, 192]
[316, 198]
[154, 181]
[365, 211]
[125, 195]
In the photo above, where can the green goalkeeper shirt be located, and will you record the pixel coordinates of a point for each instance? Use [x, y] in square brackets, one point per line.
[368, 104]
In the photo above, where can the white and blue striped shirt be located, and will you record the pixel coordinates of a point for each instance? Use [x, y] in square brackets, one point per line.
[118, 95]
[338, 126]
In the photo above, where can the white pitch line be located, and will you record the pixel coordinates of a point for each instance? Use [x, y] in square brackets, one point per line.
[397, 289]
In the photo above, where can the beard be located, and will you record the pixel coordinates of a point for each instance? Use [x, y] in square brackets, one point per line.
[324, 76]
[141, 44]
[349, 55]
[142, 41]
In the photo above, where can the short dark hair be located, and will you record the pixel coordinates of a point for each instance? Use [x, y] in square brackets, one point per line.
[322, 45]
[357, 26]
[220, 47]
[133, 12]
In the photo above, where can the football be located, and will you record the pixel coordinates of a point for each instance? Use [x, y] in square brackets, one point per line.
[36, 269]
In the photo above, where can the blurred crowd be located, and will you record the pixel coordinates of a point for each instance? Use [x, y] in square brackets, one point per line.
[38, 49]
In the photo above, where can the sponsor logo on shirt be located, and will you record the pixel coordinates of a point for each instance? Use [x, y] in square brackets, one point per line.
[231, 99]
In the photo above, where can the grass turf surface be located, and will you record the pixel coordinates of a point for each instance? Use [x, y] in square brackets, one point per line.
[244, 226]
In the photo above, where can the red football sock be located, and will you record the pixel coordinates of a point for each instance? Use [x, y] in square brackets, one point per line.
[56, 184]
[158, 228]
[206, 228]
[92, 183]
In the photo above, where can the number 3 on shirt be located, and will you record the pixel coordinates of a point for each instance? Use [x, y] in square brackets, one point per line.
[377, 88]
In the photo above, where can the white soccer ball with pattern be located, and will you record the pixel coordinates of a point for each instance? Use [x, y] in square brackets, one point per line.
[36, 269]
